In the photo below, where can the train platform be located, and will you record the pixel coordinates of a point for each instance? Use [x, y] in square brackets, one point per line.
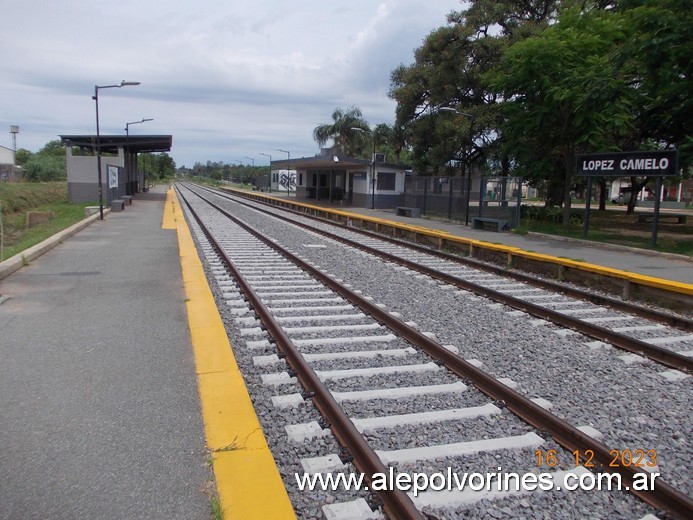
[119, 394]
[677, 268]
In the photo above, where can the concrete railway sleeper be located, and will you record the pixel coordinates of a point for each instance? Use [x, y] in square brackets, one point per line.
[515, 273]
[420, 260]
[401, 506]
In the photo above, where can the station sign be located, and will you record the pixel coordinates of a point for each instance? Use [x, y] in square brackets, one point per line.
[626, 164]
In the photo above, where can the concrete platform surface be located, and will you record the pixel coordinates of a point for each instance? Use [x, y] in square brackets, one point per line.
[99, 410]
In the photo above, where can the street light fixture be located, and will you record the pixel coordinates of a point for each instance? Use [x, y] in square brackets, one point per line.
[468, 164]
[127, 125]
[127, 151]
[288, 170]
[371, 163]
[269, 179]
[95, 97]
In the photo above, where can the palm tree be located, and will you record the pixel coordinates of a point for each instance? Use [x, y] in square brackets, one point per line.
[340, 130]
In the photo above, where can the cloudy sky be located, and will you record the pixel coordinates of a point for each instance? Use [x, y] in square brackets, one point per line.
[229, 79]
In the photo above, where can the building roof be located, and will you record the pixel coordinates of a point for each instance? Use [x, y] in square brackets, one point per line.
[331, 162]
[111, 143]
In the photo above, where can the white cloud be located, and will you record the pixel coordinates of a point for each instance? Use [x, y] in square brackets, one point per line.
[226, 79]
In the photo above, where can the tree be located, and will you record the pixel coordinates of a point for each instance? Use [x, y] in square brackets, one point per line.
[391, 140]
[48, 164]
[656, 57]
[449, 70]
[158, 166]
[22, 156]
[562, 94]
[166, 166]
[340, 130]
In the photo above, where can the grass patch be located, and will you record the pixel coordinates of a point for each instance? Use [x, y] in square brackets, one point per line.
[233, 446]
[18, 198]
[215, 509]
[615, 227]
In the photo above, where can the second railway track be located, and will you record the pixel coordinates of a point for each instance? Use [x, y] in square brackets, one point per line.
[363, 353]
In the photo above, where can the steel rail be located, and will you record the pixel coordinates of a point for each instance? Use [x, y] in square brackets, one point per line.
[664, 356]
[396, 502]
[643, 312]
[664, 496]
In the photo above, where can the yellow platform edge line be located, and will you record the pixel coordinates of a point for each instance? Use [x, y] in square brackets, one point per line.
[168, 221]
[641, 279]
[248, 481]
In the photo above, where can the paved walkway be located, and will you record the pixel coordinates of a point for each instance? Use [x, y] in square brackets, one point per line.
[99, 409]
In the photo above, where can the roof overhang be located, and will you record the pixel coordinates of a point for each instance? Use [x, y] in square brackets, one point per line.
[333, 162]
[111, 143]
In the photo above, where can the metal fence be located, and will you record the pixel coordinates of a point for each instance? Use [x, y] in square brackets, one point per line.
[501, 198]
[456, 198]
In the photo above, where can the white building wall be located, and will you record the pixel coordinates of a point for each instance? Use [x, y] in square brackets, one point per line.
[6, 155]
[82, 175]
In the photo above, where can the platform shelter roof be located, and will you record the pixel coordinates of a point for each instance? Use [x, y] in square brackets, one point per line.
[111, 143]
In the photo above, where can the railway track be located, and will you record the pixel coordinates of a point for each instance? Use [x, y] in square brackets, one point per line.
[337, 342]
[657, 335]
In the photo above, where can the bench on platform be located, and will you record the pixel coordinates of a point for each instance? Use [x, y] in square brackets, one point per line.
[408, 212]
[127, 199]
[501, 224]
[117, 205]
[648, 217]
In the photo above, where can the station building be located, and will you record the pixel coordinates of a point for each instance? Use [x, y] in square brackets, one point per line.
[119, 173]
[340, 179]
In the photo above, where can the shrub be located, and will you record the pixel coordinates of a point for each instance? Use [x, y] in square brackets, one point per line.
[549, 214]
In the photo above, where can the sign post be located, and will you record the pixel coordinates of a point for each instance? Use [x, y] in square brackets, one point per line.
[112, 181]
[658, 164]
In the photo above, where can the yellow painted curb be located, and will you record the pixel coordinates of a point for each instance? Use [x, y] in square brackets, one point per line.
[168, 221]
[644, 280]
[248, 480]
[512, 251]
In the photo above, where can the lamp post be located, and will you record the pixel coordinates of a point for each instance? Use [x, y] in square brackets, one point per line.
[127, 147]
[468, 164]
[253, 163]
[95, 97]
[14, 130]
[269, 179]
[371, 163]
[127, 125]
[288, 170]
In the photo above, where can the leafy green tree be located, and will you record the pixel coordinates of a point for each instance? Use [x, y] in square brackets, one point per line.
[43, 168]
[48, 164]
[656, 58]
[340, 130]
[392, 141]
[656, 61]
[449, 70]
[157, 166]
[563, 95]
[598, 79]
[166, 166]
[22, 156]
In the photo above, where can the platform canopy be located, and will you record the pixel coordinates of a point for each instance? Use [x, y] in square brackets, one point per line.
[130, 144]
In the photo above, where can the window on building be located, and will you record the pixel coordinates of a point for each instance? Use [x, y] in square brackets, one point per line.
[386, 180]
